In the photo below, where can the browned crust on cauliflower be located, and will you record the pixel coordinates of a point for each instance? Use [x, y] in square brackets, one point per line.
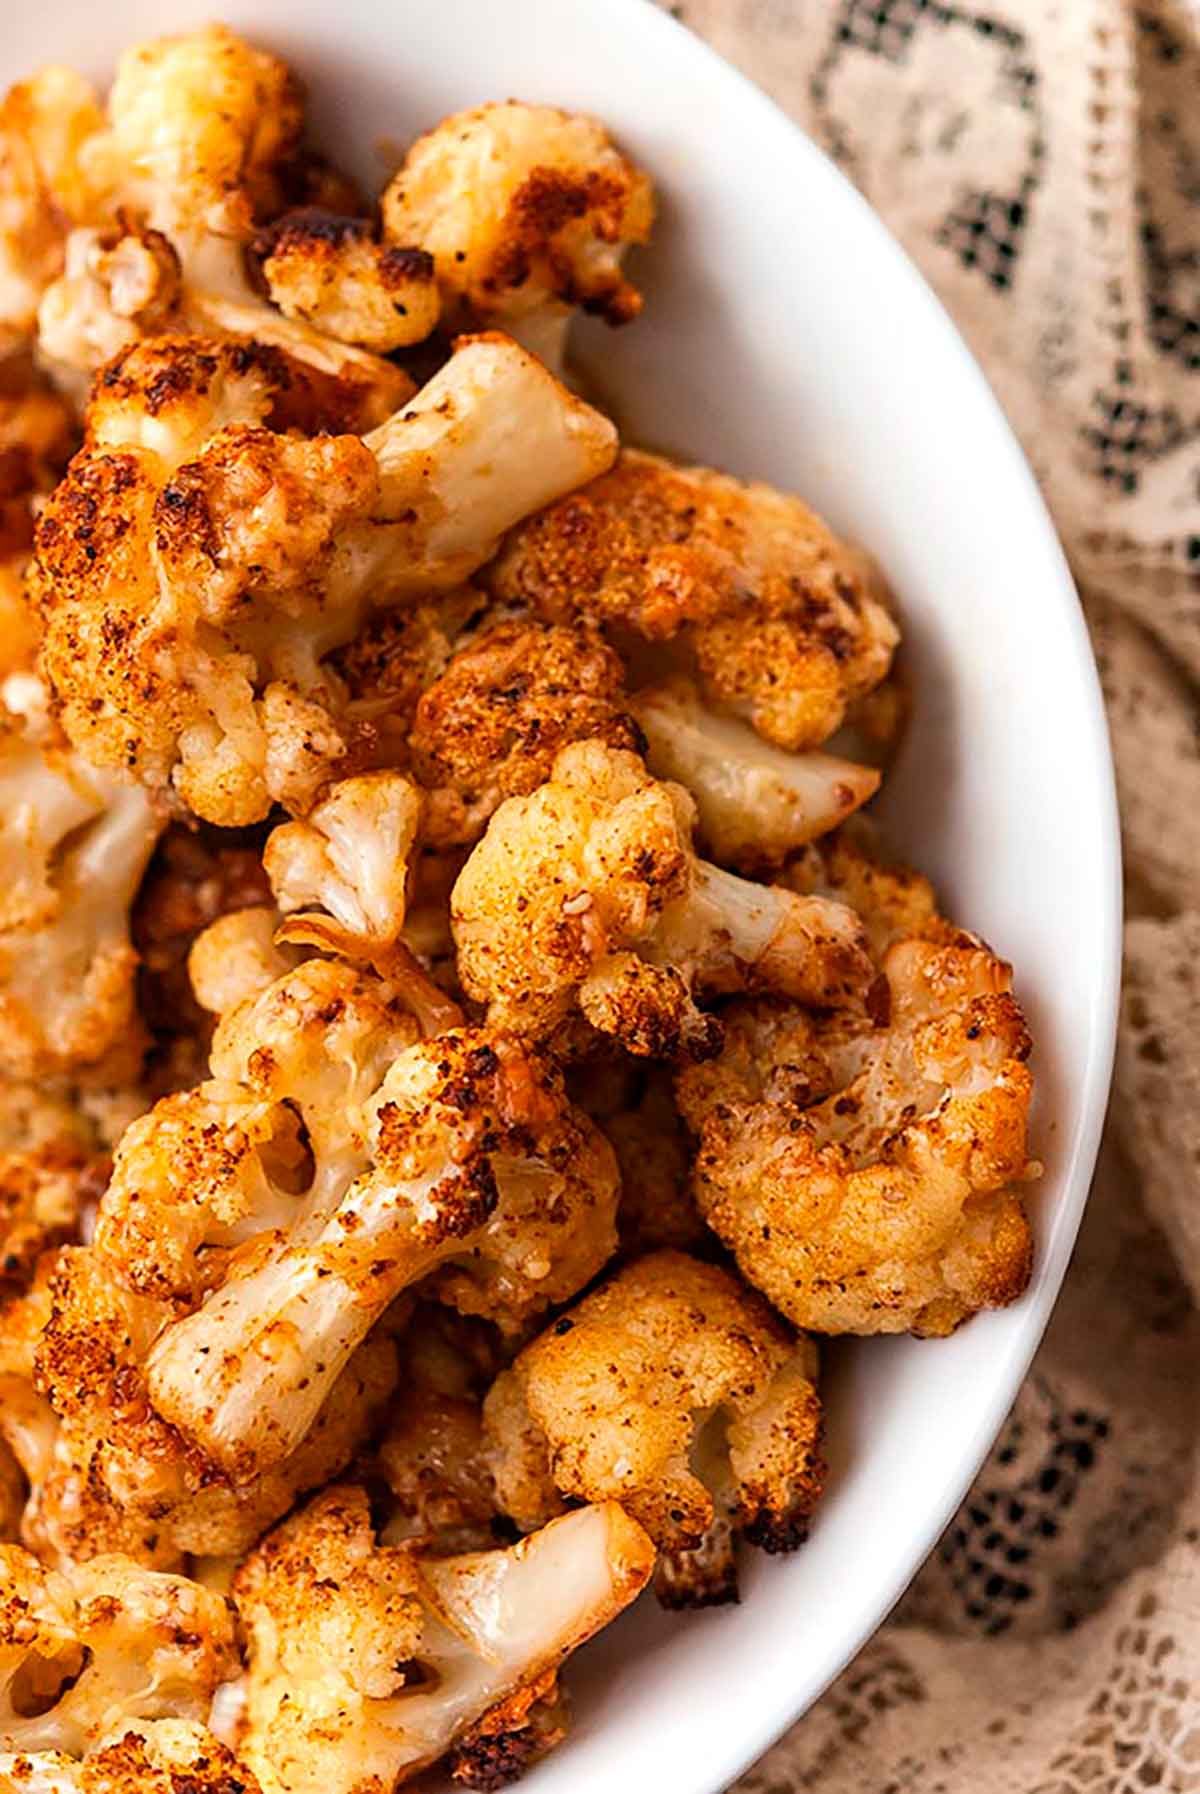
[849, 865]
[332, 272]
[506, 1742]
[787, 624]
[674, 1390]
[864, 1168]
[523, 207]
[511, 697]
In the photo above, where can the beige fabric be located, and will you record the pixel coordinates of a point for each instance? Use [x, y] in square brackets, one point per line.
[1041, 161]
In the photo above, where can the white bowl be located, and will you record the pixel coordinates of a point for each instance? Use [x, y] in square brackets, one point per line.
[786, 336]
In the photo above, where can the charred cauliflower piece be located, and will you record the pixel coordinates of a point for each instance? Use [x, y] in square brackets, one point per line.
[474, 1171]
[527, 212]
[84, 1653]
[587, 894]
[655, 1156]
[37, 434]
[200, 145]
[755, 803]
[106, 1471]
[512, 695]
[369, 1662]
[333, 273]
[196, 567]
[75, 842]
[893, 901]
[160, 1756]
[787, 625]
[861, 1171]
[675, 1391]
[327, 1169]
[44, 1193]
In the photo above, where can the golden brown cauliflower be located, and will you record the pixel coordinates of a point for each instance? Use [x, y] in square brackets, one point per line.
[512, 695]
[158, 1756]
[369, 1662]
[674, 1390]
[527, 212]
[45, 123]
[893, 901]
[85, 1652]
[755, 803]
[333, 273]
[108, 1472]
[196, 567]
[37, 434]
[75, 841]
[861, 1165]
[201, 144]
[787, 625]
[331, 1164]
[45, 1191]
[587, 894]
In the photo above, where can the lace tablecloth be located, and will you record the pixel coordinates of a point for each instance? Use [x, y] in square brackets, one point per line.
[1041, 162]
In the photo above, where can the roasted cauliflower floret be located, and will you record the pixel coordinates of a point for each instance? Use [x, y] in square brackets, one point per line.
[862, 1170]
[160, 1756]
[45, 124]
[369, 1662]
[37, 434]
[237, 956]
[474, 1172]
[75, 841]
[196, 567]
[527, 212]
[349, 859]
[674, 1390]
[512, 695]
[755, 803]
[85, 1652]
[45, 1192]
[587, 893]
[333, 273]
[787, 625]
[893, 901]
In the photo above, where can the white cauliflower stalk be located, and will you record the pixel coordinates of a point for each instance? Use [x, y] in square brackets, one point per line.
[755, 803]
[368, 1663]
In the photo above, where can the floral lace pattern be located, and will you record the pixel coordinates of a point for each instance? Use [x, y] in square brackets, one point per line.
[1040, 159]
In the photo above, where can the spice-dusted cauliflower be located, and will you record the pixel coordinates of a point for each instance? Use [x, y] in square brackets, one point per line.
[527, 212]
[349, 859]
[369, 1662]
[654, 1153]
[84, 1652]
[333, 273]
[860, 1166]
[158, 1756]
[75, 841]
[44, 1193]
[201, 143]
[109, 1473]
[893, 901]
[587, 893]
[755, 803]
[786, 624]
[196, 567]
[513, 694]
[44, 124]
[674, 1390]
[468, 1166]
[37, 434]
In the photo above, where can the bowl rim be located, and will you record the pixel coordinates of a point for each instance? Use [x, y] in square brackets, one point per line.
[777, 1713]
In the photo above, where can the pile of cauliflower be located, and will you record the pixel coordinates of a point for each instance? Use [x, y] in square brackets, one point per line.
[458, 1045]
